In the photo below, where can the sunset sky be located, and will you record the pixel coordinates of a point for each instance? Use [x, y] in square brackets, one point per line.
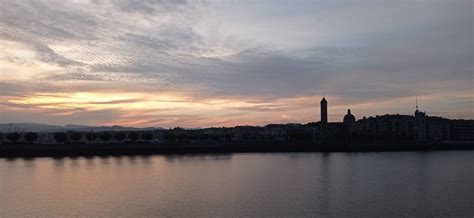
[224, 63]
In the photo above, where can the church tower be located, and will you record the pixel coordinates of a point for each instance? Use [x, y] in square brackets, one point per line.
[324, 112]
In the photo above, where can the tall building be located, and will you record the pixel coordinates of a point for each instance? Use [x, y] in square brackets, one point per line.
[420, 125]
[461, 130]
[324, 112]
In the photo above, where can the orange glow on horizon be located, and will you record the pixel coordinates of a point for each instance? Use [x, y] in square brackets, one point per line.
[169, 109]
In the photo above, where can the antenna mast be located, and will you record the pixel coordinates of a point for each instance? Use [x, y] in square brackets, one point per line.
[416, 102]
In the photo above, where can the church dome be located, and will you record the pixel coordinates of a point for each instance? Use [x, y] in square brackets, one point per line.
[349, 118]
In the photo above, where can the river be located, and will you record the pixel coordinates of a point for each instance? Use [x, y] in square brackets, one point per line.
[383, 184]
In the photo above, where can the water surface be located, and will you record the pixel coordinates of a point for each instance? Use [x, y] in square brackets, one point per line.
[289, 184]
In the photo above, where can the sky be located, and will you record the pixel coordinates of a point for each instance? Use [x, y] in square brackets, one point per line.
[185, 63]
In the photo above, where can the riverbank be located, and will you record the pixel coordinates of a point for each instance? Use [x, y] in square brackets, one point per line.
[46, 150]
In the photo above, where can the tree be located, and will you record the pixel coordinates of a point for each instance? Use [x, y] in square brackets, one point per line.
[91, 136]
[169, 136]
[147, 136]
[31, 137]
[203, 136]
[75, 136]
[300, 134]
[182, 137]
[60, 137]
[13, 136]
[229, 136]
[105, 136]
[133, 136]
[215, 136]
[193, 135]
[120, 136]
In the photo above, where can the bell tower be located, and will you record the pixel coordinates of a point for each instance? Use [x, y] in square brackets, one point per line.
[324, 112]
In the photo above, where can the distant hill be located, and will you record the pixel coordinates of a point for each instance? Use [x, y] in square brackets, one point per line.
[39, 127]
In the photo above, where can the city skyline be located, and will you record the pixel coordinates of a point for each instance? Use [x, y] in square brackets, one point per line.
[202, 64]
[323, 121]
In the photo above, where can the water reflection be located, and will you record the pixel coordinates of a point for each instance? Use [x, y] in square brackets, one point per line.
[421, 180]
[74, 162]
[58, 162]
[90, 162]
[324, 186]
[288, 185]
[29, 161]
[104, 161]
[146, 160]
[11, 159]
[198, 157]
[118, 160]
[132, 159]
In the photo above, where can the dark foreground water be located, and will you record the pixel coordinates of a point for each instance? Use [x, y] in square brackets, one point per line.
[296, 184]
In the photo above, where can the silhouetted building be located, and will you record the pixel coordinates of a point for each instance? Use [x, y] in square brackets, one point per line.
[420, 125]
[437, 129]
[349, 119]
[324, 112]
[430, 128]
[461, 130]
[387, 127]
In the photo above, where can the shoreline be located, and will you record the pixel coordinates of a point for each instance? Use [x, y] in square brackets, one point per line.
[111, 149]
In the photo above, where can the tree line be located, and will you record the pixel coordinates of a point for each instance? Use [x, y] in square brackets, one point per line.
[63, 137]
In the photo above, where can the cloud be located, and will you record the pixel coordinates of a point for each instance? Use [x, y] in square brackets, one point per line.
[71, 74]
[148, 6]
[262, 54]
[40, 20]
[59, 116]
